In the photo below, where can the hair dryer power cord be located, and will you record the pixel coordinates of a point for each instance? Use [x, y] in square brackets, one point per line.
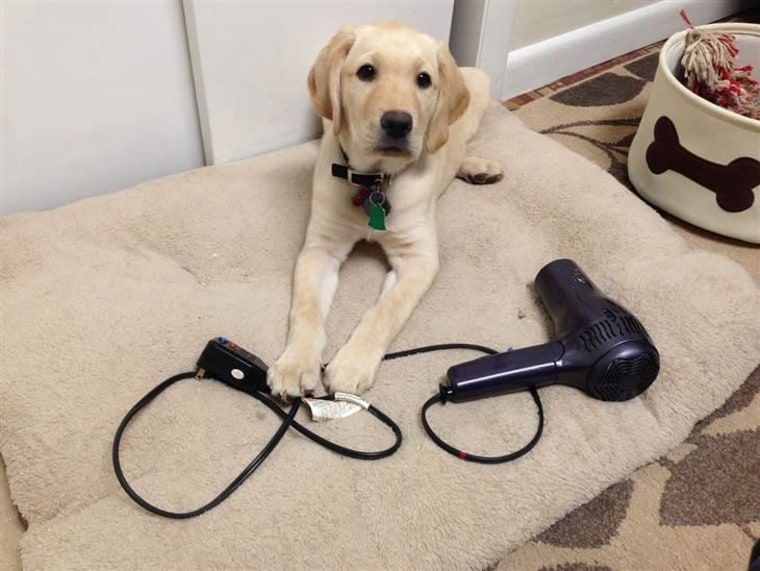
[469, 457]
[441, 397]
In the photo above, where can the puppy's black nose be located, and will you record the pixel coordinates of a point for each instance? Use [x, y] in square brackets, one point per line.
[396, 124]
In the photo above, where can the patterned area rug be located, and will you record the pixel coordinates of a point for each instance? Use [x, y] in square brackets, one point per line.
[698, 508]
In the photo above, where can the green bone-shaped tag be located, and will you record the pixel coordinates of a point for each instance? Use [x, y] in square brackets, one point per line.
[377, 217]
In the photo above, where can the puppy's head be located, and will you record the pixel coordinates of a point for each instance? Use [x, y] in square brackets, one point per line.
[389, 91]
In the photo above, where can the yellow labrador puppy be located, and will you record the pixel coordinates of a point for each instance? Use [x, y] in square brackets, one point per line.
[397, 113]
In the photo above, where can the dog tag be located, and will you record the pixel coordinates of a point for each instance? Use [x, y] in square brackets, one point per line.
[377, 217]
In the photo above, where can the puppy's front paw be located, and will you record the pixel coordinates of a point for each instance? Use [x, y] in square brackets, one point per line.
[295, 373]
[480, 171]
[351, 371]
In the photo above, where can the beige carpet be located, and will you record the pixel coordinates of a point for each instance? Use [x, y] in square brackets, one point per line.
[104, 298]
[697, 508]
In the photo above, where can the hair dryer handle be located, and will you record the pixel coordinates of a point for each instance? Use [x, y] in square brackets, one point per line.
[503, 373]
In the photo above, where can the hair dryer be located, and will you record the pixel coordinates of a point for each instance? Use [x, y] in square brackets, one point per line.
[602, 348]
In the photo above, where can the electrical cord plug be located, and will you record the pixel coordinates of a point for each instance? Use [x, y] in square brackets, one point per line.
[229, 363]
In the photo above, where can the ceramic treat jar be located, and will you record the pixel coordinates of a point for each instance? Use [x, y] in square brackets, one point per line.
[694, 159]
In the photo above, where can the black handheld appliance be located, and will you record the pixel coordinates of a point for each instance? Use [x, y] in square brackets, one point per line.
[601, 347]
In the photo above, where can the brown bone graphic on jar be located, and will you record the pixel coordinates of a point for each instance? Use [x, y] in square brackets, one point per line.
[731, 183]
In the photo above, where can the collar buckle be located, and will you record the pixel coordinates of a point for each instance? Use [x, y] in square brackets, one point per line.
[366, 180]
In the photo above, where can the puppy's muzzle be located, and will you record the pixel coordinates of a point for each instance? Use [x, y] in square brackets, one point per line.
[396, 125]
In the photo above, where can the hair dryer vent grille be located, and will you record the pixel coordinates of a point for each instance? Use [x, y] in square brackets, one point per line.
[609, 329]
[626, 378]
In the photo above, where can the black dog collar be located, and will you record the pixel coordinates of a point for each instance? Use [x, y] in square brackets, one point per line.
[373, 181]
[367, 180]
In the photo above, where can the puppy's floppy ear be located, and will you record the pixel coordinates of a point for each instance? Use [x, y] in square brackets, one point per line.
[324, 77]
[453, 99]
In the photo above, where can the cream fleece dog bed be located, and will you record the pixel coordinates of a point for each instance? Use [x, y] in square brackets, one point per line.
[104, 298]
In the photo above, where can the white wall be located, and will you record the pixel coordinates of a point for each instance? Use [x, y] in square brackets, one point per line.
[566, 36]
[96, 96]
[545, 61]
[251, 59]
[537, 20]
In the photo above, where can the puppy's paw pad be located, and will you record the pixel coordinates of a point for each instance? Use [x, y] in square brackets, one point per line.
[480, 171]
[484, 178]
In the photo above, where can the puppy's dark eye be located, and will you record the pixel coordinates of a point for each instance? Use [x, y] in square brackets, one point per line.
[423, 80]
[366, 73]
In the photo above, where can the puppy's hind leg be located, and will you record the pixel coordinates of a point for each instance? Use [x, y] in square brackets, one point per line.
[480, 171]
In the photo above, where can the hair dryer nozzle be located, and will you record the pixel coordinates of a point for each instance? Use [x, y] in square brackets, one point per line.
[602, 348]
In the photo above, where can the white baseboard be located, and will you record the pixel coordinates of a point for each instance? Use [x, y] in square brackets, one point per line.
[542, 63]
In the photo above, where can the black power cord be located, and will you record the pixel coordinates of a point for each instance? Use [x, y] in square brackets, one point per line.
[224, 361]
[287, 423]
[224, 494]
[469, 457]
[441, 397]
